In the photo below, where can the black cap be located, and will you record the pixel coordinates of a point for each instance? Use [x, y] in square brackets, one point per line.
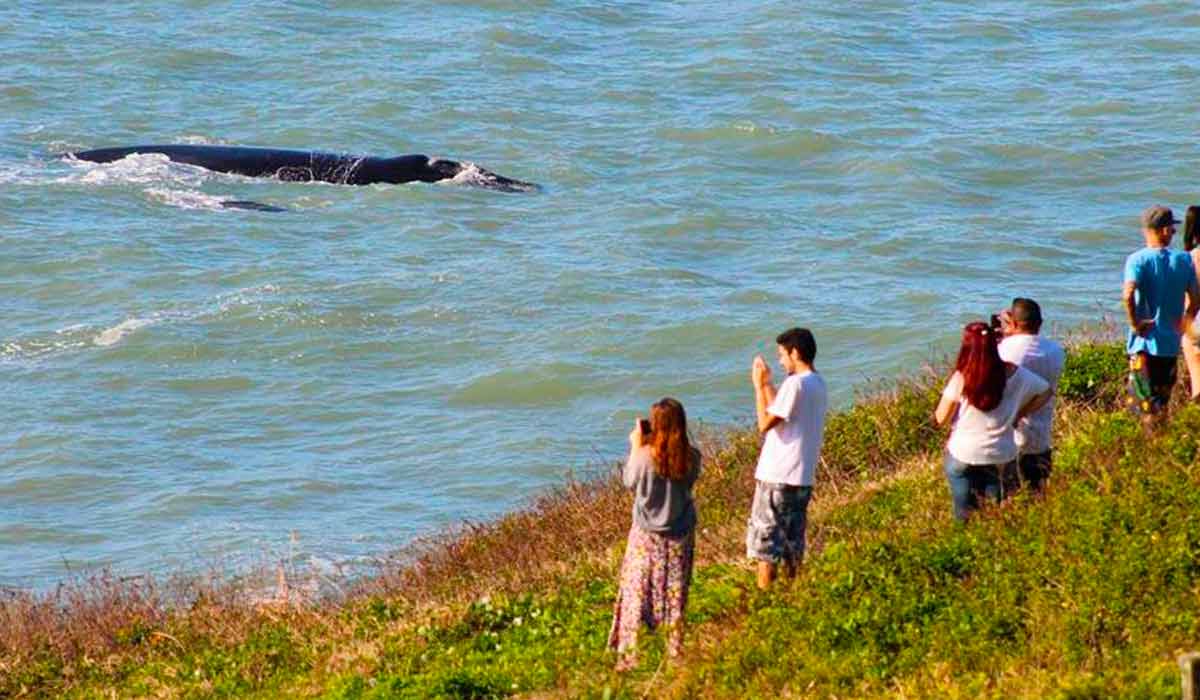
[1157, 217]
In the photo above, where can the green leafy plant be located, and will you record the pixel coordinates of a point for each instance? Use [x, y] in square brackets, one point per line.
[1093, 373]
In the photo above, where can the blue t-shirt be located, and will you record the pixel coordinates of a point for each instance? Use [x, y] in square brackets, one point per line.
[1162, 277]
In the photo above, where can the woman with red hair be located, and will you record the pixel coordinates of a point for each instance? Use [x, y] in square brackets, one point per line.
[985, 397]
[657, 570]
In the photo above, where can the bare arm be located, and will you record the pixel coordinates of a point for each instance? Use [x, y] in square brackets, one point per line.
[1141, 327]
[764, 394]
[947, 406]
[1127, 291]
[945, 411]
[1033, 404]
[1193, 306]
[629, 475]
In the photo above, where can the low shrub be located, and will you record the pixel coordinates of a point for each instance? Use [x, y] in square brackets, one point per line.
[1087, 591]
[882, 430]
[1094, 374]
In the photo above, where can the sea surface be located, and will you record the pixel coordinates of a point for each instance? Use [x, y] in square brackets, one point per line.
[186, 386]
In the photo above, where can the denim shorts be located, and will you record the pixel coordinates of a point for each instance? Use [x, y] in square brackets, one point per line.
[778, 518]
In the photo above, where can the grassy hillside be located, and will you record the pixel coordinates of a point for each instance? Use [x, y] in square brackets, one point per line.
[1087, 592]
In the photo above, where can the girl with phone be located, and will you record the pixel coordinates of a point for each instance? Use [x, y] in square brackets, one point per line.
[657, 570]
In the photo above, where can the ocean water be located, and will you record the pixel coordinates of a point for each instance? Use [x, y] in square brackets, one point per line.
[186, 385]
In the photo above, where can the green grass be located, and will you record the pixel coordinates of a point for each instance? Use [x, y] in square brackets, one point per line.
[1089, 591]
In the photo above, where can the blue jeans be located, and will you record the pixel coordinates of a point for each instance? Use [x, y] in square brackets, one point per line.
[970, 483]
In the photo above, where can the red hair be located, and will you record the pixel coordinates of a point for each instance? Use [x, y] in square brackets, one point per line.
[980, 365]
[669, 440]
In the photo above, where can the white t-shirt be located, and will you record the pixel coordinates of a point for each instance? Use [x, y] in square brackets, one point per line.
[981, 437]
[1045, 358]
[791, 449]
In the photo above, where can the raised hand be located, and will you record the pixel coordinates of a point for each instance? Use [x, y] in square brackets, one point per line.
[635, 435]
[760, 373]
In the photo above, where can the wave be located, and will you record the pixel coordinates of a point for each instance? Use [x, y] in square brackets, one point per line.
[186, 199]
[113, 335]
[29, 349]
[162, 180]
[78, 337]
[552, 383]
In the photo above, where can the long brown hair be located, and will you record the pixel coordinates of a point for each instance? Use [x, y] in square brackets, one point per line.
[1191, 228]
[669, 439]
[983, 372]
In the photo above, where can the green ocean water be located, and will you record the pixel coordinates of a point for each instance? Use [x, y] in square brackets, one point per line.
[187, 386]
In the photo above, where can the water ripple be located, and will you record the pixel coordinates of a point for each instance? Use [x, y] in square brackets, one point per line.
[714, 173]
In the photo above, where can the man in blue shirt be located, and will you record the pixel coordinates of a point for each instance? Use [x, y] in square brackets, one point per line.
[1156, 281]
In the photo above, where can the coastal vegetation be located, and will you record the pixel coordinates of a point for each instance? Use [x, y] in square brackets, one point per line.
[1089, 591]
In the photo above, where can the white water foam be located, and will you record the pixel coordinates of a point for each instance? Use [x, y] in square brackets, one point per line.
[73, 338]
[36, 348]
[139, 168]
[81, 336]
[186, 199]
[475, 176]
[470, 174]
[112, 336]
[173, 184]
[196, 140]
[31, 171]
[136, 168]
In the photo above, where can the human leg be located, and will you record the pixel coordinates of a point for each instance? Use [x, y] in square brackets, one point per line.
[793, 519]
[765, 573]
[1164, 372]
[1035, 470]
[985, 481]
[1010, 478]
[629, 610]
[1139, 395]
[765, 537]
[970, 484]
[962, 499]
[1191, 355]
[681, 554]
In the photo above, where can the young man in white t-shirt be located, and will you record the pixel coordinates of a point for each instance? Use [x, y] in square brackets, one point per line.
[792, 421]
[1022, 346]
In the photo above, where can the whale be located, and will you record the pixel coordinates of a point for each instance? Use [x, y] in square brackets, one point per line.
[309, 166]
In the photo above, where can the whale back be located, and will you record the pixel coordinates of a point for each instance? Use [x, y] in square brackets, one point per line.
[290, 165]
[305, 166]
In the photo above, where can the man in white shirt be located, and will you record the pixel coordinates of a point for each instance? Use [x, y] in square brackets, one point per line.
[1023, 347]
[792, 421]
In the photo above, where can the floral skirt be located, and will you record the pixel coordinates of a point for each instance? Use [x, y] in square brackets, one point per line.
[655, 577]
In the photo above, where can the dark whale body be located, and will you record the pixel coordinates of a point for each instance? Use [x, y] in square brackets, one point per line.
[307, 166]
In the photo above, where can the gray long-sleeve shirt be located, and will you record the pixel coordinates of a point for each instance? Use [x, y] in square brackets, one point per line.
[661, 505]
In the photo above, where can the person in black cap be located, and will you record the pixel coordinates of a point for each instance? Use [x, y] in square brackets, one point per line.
[1023, 346]
[1156, 281]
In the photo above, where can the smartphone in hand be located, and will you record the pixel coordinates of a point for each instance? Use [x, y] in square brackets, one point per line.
[644, 425]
